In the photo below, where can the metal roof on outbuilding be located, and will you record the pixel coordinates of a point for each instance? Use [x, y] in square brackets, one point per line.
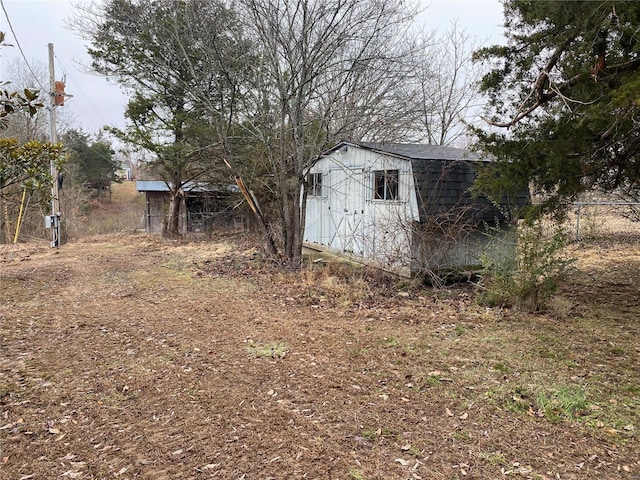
[151, 186]
[162, 186]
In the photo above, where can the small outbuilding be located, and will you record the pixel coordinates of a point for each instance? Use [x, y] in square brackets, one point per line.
[404, 206]
[203, 207]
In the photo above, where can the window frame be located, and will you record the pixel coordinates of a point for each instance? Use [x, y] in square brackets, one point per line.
[314, 184]
[386, 185]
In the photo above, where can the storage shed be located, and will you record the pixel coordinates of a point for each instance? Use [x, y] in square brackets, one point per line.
[204, 206]
[404, 206]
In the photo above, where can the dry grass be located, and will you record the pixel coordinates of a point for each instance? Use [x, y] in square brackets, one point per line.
[131, 357]
[123, 214]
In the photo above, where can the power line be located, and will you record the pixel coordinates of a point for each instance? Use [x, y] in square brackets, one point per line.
[15, 37]
[88, 100]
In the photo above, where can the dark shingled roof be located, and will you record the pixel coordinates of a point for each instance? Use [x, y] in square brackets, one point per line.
[443, 187]
[422, 152]
[443, 177]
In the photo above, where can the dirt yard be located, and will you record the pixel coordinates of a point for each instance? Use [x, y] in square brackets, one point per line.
[129, 357]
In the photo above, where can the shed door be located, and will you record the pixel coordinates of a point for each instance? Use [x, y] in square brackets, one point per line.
[346, 205]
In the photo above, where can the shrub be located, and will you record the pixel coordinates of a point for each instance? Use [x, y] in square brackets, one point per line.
[524, 267]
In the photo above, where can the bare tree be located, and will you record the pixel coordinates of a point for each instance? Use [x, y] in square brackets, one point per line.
[327, 70]
[22, 125]
[445, 86]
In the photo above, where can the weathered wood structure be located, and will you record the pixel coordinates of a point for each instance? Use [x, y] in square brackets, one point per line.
[203, 207]
[404, 206]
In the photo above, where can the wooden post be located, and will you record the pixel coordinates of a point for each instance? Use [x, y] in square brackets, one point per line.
[55, 199]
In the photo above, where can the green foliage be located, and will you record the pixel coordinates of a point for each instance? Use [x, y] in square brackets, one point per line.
[28, 164]
[565, 402]
[499, 265]
[181, 62]
[524, 267]
[566, 86]
[11, 102]
[93, 160]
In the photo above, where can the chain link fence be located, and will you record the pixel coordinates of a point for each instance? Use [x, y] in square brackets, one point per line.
[598, 219]
[208, 222]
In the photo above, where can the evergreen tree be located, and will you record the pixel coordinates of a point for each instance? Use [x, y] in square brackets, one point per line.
[93, 161]
[566, 87]
[180, 61]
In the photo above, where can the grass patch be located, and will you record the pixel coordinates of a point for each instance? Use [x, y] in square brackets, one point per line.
[356, 474]
[565, 402]
[494, 458]
[502, 368]
[269, 350]
[459, 330]
[370, 434]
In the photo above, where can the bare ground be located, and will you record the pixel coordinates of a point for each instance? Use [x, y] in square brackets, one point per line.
[129, 357]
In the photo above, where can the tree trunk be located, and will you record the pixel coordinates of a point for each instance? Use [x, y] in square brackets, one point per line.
[173, 223]
[7, 220]
[302, 214]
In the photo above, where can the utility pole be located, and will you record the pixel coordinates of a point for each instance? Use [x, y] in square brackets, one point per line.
[53, 221]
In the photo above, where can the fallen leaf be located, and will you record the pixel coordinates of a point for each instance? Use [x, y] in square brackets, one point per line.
[54, 431]
[449, 412]
[210, 466]
[464, 416]
[403, 462]
[626, 468]
[628, 427]
[71, 474]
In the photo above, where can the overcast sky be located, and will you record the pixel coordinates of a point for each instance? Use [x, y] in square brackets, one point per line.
[96, 102]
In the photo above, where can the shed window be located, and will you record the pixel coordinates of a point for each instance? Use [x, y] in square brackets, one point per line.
[314, 181]
[385, 184]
